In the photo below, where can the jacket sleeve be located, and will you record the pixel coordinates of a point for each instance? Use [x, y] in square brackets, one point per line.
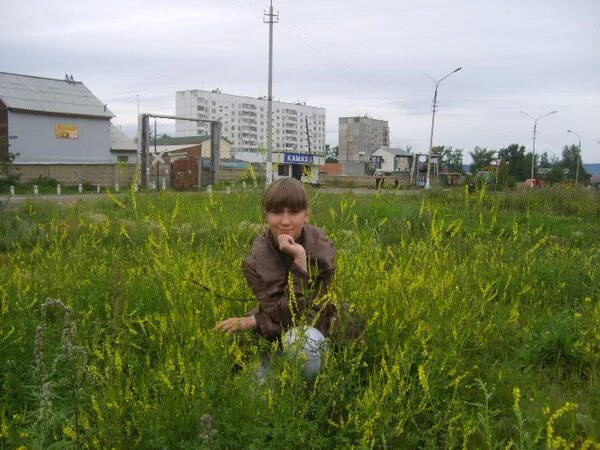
[324, 255]
[274, 313]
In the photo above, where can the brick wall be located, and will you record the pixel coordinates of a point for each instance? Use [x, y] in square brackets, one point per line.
[109, 174]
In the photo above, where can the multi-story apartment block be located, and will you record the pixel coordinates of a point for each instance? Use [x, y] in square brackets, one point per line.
[244, 121]
[361, 136]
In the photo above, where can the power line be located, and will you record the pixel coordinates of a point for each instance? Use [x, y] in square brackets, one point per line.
[333, 61]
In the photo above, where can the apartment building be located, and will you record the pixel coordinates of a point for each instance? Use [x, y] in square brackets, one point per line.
[244, 121]
[361, 136]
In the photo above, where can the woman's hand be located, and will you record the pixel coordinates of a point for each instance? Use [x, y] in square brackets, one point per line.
[234, 324]
[292, 248]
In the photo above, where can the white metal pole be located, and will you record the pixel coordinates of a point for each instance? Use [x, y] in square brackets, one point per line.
[535, 121]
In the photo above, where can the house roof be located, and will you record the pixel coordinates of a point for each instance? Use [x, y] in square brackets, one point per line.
[394, 151]
[49, 95]
[185, 140]
[120, 141]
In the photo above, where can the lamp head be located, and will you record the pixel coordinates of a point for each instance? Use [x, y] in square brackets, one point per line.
[457, 69]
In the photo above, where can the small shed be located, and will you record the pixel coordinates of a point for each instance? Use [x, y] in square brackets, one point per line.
[122, 146]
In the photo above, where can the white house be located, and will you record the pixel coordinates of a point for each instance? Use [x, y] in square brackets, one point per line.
[391, 160]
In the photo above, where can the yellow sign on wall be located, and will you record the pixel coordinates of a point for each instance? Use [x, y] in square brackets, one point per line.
[67, 131]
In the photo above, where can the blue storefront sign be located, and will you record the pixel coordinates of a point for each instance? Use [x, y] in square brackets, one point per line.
[297, 158]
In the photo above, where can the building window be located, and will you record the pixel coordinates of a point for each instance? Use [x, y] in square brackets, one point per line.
[123, 158]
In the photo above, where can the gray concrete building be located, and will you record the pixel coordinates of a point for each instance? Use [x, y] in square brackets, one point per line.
[52, 121]
[244, 121]
[359, 137]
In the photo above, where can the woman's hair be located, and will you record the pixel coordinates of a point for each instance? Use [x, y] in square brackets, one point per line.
[285, 193]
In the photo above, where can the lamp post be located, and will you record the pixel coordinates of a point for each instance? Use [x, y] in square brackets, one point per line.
[535, 121]
[578, 156]
[434, 108]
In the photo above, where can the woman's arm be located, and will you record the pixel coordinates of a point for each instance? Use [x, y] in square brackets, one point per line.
[274, 313]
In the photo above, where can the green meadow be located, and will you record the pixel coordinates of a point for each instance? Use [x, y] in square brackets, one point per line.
[482, 315]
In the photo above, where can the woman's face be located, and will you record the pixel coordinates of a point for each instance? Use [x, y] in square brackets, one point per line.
[286, 221]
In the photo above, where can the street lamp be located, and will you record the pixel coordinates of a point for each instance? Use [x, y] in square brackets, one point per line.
[535, 121]
[578, 156]
[434, 107]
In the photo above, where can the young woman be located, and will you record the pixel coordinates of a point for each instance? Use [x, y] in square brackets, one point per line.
[289, 269]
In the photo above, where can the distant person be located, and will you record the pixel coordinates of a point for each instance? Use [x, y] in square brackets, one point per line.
[290, 249]
[379, 179]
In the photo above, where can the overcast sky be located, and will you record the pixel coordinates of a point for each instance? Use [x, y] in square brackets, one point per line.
[351, 57]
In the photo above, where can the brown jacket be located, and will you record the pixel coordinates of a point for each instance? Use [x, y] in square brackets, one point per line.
[268, 270]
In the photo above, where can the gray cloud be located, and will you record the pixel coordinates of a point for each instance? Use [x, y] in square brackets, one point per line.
[351, 58]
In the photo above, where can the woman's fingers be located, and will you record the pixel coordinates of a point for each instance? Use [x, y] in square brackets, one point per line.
[229, 325]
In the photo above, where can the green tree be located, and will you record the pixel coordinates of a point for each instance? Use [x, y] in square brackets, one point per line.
[331, 153]
[516, 159]
[482, 157]
[7, 176]
[449, 157]
[545, 160]
[555, 175]
[570, 159]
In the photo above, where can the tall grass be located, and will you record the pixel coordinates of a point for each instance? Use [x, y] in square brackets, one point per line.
[482, 312]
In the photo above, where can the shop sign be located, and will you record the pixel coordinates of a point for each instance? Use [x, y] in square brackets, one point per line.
[63, 131]
[297, 158]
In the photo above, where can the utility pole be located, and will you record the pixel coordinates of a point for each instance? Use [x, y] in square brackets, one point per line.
[272, 18]
[307, 135]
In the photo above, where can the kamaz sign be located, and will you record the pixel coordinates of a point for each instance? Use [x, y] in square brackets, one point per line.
[297, 158]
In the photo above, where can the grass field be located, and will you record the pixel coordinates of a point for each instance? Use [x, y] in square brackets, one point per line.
[482, 313]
